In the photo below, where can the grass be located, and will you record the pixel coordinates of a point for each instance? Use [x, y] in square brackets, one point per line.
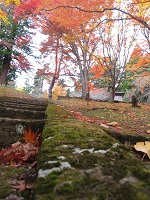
[11, 92]
[130, 119]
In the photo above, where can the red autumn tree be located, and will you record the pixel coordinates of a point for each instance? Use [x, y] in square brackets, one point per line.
[88, 14]
[139, 62]
[54, 64]
[79, 40]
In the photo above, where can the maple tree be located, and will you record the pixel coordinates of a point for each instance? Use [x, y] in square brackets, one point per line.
[137, 71]
[135, 10]
[114, 53]
[77, 36]
[79, 49]
[83, 19]
[55, 64]
[139, 61]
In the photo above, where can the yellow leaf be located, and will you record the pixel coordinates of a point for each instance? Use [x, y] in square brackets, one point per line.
[144, 147]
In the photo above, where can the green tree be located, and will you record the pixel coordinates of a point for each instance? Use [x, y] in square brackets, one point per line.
[28, 87]
[38, 85]
[14, 45]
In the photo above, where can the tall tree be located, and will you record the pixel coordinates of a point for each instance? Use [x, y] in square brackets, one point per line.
[12, 43]
[117, 40]
[54, 65]
[77, 34]
[83, 15]
[15, 40]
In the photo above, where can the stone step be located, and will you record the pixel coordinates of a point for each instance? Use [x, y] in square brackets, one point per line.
[17, 115]
[31, 102]
[21, 114]
[16, 105]
[13, 129]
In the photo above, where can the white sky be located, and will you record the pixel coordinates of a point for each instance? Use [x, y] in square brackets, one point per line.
[20, 81]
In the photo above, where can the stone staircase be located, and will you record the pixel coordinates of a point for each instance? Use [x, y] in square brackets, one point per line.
[17, 114]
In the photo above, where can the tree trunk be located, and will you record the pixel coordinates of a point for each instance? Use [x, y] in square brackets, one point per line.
[112, 94]
[83, 88]
[84, 80]
[51, 87]
[5, 68]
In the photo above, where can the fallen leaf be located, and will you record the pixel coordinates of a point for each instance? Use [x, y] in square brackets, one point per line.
[113, 124]
[59, 108]
[64, 116]
[19, 153]
[104, 125]
[143, 147]
[148, 131]
[21, 185]
[30, 136]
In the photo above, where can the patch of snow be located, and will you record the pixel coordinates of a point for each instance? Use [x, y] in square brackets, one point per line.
[65, 146]
[52, 162]
[61, 157]
[65, 165]
[78, 150]
[13, 197]
[43, 173]
[102, 151]
[48, 138]
[115, 145]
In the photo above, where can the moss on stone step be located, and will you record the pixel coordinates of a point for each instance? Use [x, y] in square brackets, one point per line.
[8, 175]
[78, 160]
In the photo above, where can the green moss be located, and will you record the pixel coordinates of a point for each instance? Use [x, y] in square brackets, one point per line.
[98, 169]
[54, 111]
[8, 174]
[4, 191]
[46, 185]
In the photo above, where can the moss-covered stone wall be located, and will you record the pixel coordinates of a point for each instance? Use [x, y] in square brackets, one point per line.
[79, 161]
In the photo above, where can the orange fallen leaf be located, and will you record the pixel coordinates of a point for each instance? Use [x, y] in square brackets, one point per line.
[30, 136]
[64, 116]
[59, 108]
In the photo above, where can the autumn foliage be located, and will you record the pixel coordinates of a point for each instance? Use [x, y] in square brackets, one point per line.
[3, 14]
[23, 151]
[139, 61]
